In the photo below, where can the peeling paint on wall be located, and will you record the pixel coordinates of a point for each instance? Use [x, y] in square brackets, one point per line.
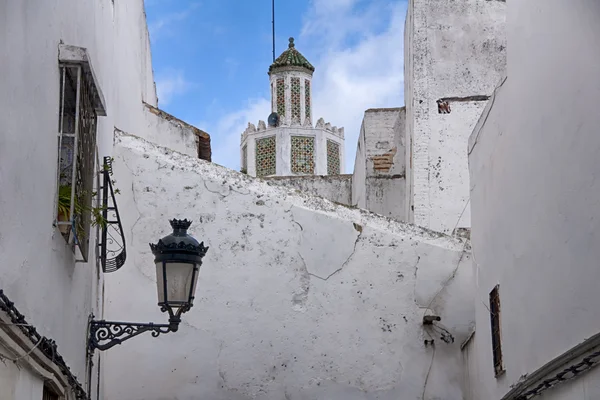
[297, 297]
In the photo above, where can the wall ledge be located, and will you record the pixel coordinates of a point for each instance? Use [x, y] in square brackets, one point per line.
[557, 371]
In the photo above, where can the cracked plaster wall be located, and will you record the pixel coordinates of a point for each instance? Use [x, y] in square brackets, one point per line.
[337, 188]
[452, 49]
[378, 182]
[534, 197]
[298, 298]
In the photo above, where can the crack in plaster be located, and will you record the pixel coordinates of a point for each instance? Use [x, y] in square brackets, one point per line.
[221, 195]
[345, 262]
[357, 227]
[137, 208]
[446, 282]
[416, 267]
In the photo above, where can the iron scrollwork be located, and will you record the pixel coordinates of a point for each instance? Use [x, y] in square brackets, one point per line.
[107, 334]
[566, 374]
[112, 243]
[46, 345]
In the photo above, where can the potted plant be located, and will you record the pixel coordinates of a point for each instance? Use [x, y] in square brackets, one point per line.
[64, 208]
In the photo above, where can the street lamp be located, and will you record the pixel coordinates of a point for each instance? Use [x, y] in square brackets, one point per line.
[178, 258]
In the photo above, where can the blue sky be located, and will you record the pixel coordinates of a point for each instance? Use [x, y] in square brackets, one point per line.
[211, 59]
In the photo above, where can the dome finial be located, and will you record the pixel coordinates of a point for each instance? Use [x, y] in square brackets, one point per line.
[291, 43]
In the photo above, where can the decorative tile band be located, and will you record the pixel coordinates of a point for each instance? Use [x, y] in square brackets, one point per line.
[333, 158]
[266, 156]
[295, 97]
[281, 97]
[303, 155]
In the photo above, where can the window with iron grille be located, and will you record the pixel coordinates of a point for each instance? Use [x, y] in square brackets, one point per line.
[496, 337]
[48, 394]
[76, 155]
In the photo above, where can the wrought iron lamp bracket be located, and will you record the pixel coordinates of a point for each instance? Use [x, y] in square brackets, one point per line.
[107, 334]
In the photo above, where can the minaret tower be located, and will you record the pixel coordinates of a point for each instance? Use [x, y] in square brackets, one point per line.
[289, 144]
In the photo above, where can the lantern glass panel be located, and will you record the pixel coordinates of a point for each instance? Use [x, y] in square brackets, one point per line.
[180, 278]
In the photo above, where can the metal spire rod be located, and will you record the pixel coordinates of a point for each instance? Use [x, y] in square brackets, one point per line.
[273, 21]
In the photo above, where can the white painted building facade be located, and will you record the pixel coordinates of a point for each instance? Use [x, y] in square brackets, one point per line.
[534, 199]
[45, 283]
[454, 56]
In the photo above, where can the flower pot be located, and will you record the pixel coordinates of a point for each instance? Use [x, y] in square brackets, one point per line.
[64, 229]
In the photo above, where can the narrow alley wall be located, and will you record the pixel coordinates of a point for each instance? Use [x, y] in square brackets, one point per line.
[39, 272]
[455, 55]
[534, 201]
[298, 298]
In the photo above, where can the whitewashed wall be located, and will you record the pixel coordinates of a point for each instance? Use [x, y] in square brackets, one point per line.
[452, 49]
[534, 196]
[164, 129]
[297, 298]
[336, 188]
[379, 169]
[38, 271]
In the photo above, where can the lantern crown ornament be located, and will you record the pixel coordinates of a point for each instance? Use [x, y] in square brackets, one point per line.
[179, 243]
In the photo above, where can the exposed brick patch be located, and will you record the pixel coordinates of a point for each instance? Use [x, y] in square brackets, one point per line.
[383, 162]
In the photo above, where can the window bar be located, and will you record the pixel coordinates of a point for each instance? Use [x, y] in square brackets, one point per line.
[98, 189]
[63, 72]
[75, 150]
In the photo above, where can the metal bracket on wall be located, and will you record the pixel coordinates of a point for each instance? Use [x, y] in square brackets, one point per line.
[112, 239]
[107, 334]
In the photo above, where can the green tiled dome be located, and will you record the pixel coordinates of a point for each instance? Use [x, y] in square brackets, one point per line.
[291, 58]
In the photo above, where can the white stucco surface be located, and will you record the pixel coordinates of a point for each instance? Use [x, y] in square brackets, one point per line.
[336, 188]
[38, 272]
[534, 196]
[379, 170]
[452, 49]
[298, 298]
[165, 130]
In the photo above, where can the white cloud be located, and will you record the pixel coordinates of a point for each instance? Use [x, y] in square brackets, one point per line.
[161, 26]
[169, 84]
[349, 80]
[359, 65]
[225, 135]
